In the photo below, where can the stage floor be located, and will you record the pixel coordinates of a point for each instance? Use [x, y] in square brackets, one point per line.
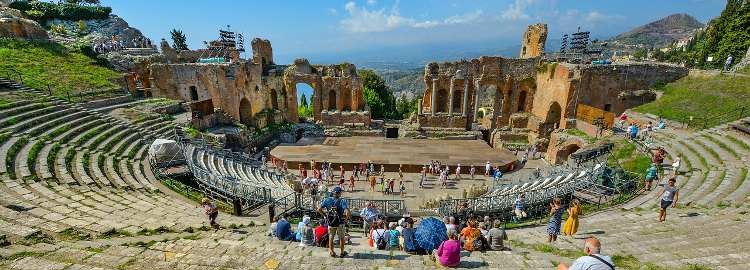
[411, 153]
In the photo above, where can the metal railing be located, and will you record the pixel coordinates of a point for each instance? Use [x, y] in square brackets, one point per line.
[716, 119]
[231, 188]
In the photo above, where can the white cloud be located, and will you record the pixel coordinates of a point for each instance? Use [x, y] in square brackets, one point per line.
[598, 17]
[372, 2]
[516, 10]
[333, 11]
[363, 20]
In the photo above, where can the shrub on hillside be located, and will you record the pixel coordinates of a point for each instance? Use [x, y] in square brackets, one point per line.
[42, 11]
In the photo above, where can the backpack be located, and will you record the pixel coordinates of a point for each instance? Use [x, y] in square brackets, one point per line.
[380, 242]
[477, 244]
[332, 216]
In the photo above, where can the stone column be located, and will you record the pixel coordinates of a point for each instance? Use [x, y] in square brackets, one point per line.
[465, 108]
[433, 99]
[450, 103]
[419, 106]
[476, 98]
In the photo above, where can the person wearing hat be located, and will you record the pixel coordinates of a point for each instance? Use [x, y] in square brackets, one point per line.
[336, 212]
[211, 211]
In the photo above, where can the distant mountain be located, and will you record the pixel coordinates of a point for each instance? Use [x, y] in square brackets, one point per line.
[660, 33]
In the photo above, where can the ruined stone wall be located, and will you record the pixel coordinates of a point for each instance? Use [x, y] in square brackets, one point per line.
[237, 88]
[336, 88]
[622, 86]
[532, 44]
[262, 51]
[442, 121]
[338, 118]
[613, 88]
[460, 88]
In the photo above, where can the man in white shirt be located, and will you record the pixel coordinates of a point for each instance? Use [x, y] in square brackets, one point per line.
[593, 261]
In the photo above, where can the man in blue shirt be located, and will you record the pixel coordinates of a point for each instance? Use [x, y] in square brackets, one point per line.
[336, 212]
[284, 229]
[369, 214]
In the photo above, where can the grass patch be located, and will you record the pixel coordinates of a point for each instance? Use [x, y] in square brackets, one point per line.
[193, 194]
[721, 145]
[546, 248]
[630, 262]
[97, 249]
[22, 254]
[69, 159]
[134, 150]
[86, 137]
[87, 162]
[52, 156]
[58, 132]
[738, 142]
[625, 155]
[72, 70]
[115, 233]
[103, 137]
[74, 235]
[710, 151]
[10, 159]
[699, 95]
[701, 158]
[578, 133]
[36, 238]
[33, 154]
[114, 142]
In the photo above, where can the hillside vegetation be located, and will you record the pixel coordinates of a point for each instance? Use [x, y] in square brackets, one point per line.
[42, 63]
[700, 96]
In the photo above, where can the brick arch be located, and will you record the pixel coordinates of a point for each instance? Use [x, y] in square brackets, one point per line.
[246, 112]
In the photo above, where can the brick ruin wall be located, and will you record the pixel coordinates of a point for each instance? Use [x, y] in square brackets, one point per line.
[506, 78]
[534, 39]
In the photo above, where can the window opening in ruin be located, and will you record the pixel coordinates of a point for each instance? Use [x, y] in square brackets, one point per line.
[567, 151]
[332, 100]
[522, 101]
[608, 107]
[305, 94]
[274, 99]
[442, 101]
[246, 112]
[554, 113]
[148, 94]
[193, 93]
[458, 96]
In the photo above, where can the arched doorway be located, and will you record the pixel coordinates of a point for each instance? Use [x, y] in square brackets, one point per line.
[246, 112]
[193, 93]
[305, 104]
[274, 99]
[331, 100]
[522, 101]
[442, 101]
[565, 152]
[553, 114]
[346, 98]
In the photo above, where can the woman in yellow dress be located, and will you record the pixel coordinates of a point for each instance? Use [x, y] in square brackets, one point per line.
[571, 225]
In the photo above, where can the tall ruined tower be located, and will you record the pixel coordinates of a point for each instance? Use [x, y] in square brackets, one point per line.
[262, 51]
[533, 41]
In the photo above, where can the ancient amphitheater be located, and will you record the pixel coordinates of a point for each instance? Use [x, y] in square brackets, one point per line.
[79, 193]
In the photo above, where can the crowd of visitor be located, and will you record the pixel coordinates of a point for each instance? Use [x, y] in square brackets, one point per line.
[116, 43]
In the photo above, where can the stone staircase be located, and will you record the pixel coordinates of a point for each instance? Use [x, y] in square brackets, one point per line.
[705, 230]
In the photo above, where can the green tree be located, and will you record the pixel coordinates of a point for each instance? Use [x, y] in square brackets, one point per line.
[304, 109]
[91, 2]
[378, 96]
[74, 2]
[640, 54]
[405, 107]
[179, 42]
[82, 27]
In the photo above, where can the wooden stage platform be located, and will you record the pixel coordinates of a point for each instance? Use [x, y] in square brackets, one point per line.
[412, 154]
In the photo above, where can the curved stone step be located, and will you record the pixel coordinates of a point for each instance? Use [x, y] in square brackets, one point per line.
[61, 170]
[28, 123]
[75, 134]
[22, 169]
[111, 174]
[8, 122]
[140, 176]
[51, 124]
[43, 171]
[4, 149]
[127, 176]
[96, 173]
[742, 192]
[79, 172]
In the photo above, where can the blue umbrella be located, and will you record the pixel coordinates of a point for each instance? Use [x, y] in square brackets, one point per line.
[430, 233]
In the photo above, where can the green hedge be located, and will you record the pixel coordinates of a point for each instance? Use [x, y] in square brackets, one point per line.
[42, 11]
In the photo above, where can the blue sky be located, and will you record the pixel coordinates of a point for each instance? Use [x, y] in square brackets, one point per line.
[303, 28]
